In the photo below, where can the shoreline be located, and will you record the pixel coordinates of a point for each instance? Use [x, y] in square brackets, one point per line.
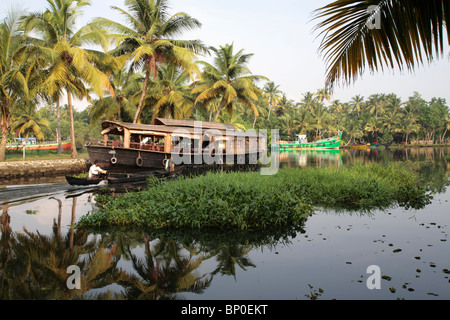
[28, 170]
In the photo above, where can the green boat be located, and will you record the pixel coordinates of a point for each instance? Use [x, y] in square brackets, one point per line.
[303, 144]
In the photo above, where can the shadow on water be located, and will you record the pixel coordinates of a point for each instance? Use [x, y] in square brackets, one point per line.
[38, 244]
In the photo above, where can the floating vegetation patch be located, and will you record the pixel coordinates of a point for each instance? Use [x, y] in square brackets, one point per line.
[251, 201]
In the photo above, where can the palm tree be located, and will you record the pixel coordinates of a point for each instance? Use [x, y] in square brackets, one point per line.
[13, 66]
[303, 120]
[229, 80]
[353, 127]
[320, 116]
[405, 33]
[322, 95]
[147, 40]
[272, 95]
[170, 94]
[357, 103]
[284, 105]
[27, 121]
[407, 124]
[126, 88]
[69, 66]
[307, 100]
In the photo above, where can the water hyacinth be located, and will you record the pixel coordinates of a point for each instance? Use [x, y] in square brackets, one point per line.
[251, 201]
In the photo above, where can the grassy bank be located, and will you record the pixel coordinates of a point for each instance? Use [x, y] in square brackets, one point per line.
[251, 201]
[36, 155]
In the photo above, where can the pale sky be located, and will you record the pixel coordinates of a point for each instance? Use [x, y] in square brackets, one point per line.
[280, 34]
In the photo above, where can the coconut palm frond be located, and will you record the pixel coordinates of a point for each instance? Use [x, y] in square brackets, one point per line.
[380, 34]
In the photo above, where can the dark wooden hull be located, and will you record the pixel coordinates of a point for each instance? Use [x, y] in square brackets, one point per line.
[121, 157]
[109, 157]
[73, 181]
[112, 179]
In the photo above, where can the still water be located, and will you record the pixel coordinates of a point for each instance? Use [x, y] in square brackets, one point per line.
[327, 259]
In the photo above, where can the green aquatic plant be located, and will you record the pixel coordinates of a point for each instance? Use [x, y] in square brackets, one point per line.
[252, 201]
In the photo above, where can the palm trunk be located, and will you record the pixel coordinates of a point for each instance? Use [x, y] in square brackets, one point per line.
[222, 104]
[72, 129]
[119, 112]
[144, 91]
[4, 129]
[58, 127]
[443, 136]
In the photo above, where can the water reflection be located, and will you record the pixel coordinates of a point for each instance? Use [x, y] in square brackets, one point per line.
[432, 164]
[36, 250]
[121, 264]
[307, 158]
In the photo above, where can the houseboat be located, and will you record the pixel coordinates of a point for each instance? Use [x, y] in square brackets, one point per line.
[167, 143]
[303, 144]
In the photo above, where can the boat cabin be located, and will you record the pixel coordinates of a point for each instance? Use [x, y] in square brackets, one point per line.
[166, 138]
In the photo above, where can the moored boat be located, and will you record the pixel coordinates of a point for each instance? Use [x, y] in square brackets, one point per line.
[363, 146]
[303, 144]
[32, 145]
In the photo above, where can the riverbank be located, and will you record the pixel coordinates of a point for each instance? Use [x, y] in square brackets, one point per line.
[41, 168]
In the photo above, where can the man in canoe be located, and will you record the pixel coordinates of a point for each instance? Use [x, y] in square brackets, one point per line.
[95, 172]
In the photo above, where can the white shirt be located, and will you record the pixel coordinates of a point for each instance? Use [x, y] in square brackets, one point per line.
[94, 171]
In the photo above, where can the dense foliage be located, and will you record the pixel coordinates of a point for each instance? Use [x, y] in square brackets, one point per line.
[253, 201]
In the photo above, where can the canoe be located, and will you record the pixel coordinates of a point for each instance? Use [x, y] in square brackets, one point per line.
[367, 145]
[116, 178]
[74, 181]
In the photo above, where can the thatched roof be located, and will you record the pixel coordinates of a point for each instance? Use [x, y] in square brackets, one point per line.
[117, 128]
[191, 124]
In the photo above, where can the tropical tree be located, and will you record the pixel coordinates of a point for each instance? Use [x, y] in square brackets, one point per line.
[229, 80]
[147, 39]
[14, 64]
[307, 100]
[69, 65]
[360, 34]
[170, 93]
[320, 117]
[272, 94]
[407, 124]
[127, 87]
[357, 103]
[28, 122]
[322, 95]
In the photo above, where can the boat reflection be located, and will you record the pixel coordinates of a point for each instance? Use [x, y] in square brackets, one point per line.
[310, 158]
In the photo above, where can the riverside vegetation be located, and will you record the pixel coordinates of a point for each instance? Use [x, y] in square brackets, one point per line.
[48, 66]
[250, 201]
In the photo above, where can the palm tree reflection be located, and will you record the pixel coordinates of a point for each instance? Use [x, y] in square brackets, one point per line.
[157, 266]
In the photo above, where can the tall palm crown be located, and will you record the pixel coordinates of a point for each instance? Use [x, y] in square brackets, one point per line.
[15, 72]
[379, 34]
[69, 66]
[272, 95]
[170, 93]
[147, 39]
[228, 79]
